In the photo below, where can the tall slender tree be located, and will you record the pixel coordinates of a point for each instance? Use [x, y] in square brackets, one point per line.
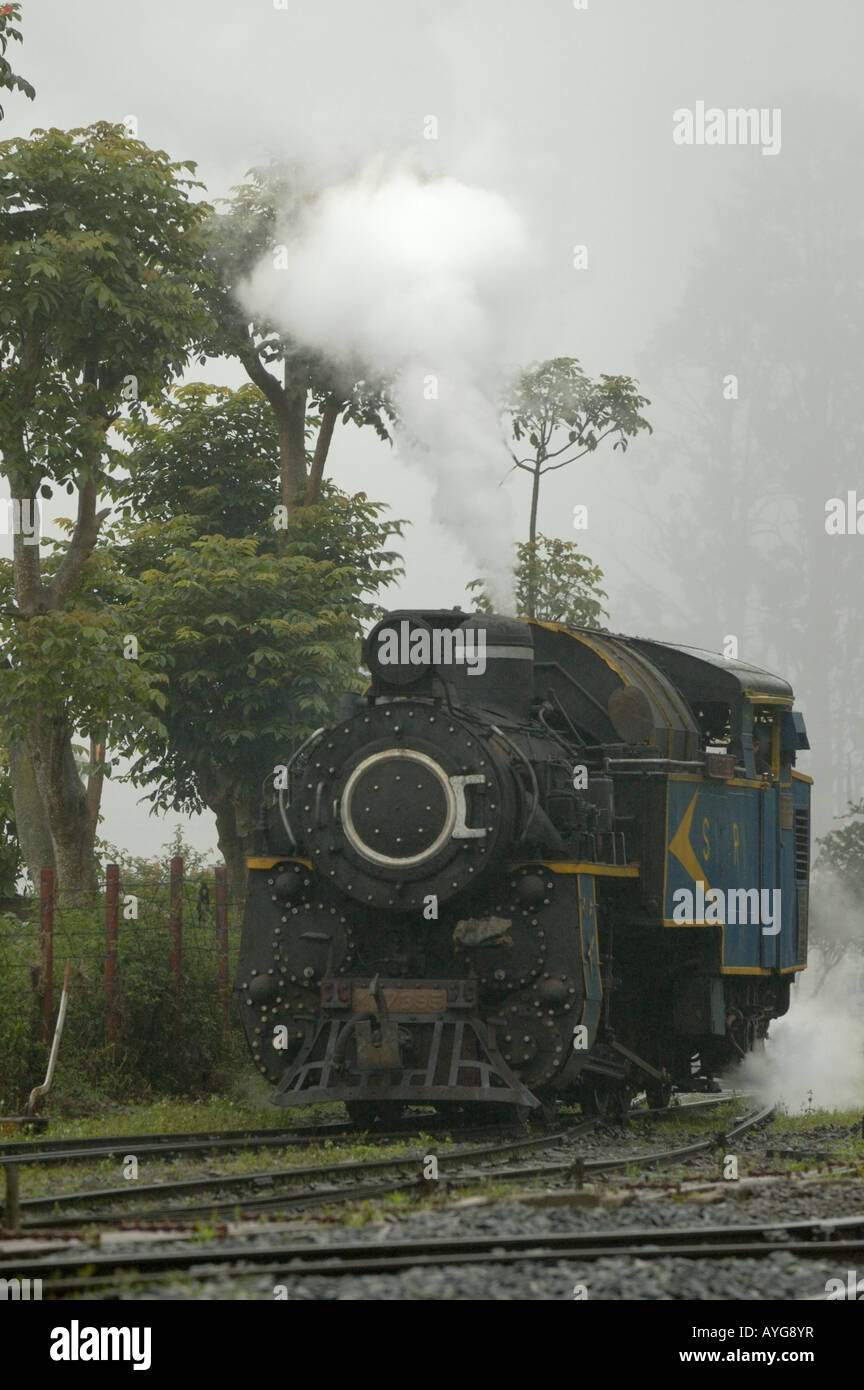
[556, 415]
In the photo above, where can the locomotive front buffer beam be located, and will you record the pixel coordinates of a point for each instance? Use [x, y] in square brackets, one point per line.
[400, 1040]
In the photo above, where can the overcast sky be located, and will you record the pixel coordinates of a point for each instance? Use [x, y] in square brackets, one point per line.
[568, 113]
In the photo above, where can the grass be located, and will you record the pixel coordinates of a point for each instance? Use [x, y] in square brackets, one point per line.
[246, 1108]
[806, 1119]
[213, 1112]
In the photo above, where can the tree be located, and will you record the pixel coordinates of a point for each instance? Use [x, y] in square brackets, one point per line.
[842, 851]
[257, 648]
[9, 80]
[255, 640]
[561, 415]
[63, 670]
[100, 260]
[312, 392]
[836, 899]
[555, 579]
[207, 453]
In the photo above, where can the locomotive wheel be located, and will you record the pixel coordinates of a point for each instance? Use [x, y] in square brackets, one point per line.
[659, 1095]
[375, 1114]
[605, 1102]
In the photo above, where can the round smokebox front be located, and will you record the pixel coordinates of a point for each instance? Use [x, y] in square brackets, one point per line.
[404, 801]
[398, 808]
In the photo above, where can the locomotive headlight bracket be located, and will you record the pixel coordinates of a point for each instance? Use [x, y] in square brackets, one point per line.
[462, 831]
[454, 826]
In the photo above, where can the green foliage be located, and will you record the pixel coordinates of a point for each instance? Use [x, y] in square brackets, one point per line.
[843, 851]
[257, 645]
[11, 863]
[160, 1049]
[564, 584]
[155, 1053]
[208, 453]
[100, 257]
[251, 612]
[10, 15]
[23, 1058]
[557, 415]
[100, 278]
[557, 409]
[68, 663]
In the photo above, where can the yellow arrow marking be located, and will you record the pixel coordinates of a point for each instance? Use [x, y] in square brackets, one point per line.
[681, 847]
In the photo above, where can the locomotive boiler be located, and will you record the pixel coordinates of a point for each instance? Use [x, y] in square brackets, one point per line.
[530, 862]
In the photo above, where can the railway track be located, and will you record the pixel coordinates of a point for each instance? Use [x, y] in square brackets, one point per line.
[58, 1151]
[84, 1201]
[387, 1175]
[843, 1236]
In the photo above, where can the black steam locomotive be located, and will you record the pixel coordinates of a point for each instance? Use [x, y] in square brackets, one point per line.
[532, 862]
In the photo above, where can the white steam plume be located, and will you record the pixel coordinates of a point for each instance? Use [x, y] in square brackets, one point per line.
[814, 1056]
[417, 281]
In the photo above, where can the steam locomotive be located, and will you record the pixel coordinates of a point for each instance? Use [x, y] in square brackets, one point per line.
[531, 863]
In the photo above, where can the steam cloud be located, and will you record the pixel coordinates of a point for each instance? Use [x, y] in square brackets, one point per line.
[814, 1056]
[417, 281]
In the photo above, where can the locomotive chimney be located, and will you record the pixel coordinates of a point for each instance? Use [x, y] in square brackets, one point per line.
[504, 681]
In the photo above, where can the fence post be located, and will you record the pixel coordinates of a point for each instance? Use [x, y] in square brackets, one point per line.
[221, 876]
[112, 906]
[46, 912]
[176, 936]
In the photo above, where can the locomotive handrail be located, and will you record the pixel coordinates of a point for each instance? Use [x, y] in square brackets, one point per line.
[535, 789]
[281, 790]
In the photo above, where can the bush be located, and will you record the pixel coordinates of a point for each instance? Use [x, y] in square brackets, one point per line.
[161, 1049]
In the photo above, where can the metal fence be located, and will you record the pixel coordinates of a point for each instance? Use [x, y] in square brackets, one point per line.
[189, 920]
